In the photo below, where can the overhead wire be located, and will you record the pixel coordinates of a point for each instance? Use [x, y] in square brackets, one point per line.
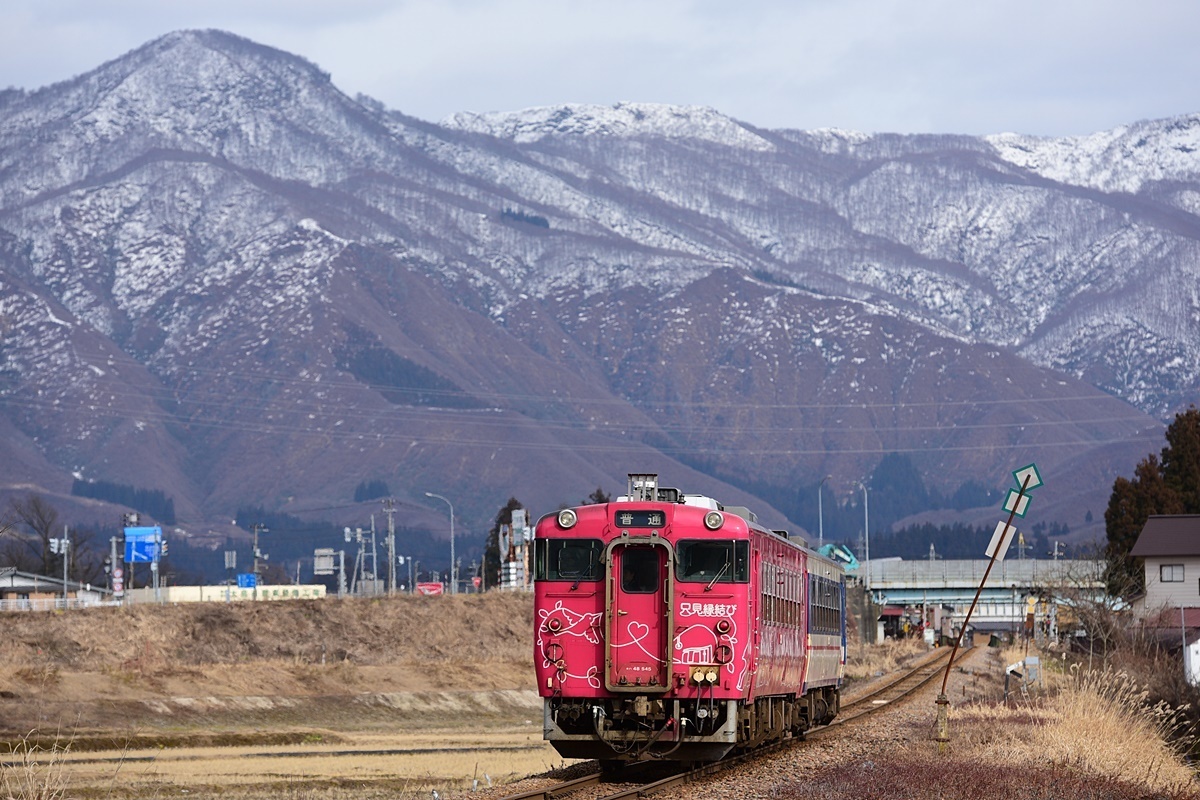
[211, 414]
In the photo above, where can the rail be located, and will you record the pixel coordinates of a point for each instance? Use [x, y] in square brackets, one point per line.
[900, 685]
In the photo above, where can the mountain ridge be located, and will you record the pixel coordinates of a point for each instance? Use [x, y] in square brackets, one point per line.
[190, 266]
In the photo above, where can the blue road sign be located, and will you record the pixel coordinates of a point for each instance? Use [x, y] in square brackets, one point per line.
[247, 580]
[142, 545]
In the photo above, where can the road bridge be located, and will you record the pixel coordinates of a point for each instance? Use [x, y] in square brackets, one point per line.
[948, 586]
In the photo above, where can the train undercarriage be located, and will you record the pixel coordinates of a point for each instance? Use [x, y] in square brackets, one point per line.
[642, 728]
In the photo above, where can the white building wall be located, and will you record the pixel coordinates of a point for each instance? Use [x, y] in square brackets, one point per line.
[225, 594]
[1175, 594]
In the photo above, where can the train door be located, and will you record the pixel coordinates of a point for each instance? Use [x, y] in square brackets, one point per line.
[639, 622]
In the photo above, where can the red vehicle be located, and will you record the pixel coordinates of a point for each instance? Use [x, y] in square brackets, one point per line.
[670, 627]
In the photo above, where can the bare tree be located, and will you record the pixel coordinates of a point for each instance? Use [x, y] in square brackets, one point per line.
[25, 534]
[37, 523]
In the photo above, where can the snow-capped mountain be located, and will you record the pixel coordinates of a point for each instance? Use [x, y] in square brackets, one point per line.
[223, 278]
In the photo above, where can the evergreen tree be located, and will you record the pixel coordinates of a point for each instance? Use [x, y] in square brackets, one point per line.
[1166, 485]
[597, 497]
[491, 552]
[1181, 460]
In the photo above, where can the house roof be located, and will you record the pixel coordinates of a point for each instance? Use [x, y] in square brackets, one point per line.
[1169, 535]
[12, 579]
[1174, 619]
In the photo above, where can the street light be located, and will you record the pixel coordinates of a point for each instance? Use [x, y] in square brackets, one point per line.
[453, 566]
[821, 514]
[866, 534]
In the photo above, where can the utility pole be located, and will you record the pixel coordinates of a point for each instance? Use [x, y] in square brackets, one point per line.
[374, 561]
[154, 566]
[66, 554]
[231, 568]
[258, 528]
[359, 558]
[116, 575]
[128, 521]
[389, 508]
[63, 547]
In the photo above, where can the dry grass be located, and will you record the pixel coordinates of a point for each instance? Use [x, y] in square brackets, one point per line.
[869, 661]
[1085, 736]
[362, 766]
[42, 676]
[921, 776]
[30, 772]
[1096, 723]
[1103, 722]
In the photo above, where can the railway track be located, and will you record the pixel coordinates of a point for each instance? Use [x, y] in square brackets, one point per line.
[896, 688]
[620, 786]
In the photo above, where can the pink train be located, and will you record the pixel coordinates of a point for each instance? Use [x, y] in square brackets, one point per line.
[670, 627]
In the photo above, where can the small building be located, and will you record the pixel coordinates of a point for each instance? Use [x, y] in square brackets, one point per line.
[27, 591]
[1169, 546]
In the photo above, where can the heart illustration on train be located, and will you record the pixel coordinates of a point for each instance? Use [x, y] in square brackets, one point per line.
[638, 631]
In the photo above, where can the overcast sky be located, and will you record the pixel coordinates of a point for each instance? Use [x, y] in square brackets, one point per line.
[1049, 67]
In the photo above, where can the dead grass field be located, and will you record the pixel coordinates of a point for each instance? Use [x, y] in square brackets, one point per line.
[395, 695]
[392, 698]
[407, 764]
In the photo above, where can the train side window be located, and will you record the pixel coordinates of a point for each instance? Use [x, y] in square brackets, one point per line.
[567, 559]
[639, 570]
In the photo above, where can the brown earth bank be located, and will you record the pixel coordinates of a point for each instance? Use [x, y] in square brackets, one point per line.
[354, 663]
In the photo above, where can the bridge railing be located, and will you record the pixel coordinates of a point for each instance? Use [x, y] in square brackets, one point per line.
[1016, 573]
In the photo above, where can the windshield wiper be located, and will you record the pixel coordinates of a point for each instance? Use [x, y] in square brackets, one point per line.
[720, 572]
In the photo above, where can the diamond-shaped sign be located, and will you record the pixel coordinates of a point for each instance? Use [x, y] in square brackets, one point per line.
[1035, 479]
[1016, 502]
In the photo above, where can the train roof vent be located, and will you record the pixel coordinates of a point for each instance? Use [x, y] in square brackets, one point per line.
[743, 512]
[666, 494]
[643, 486]
[701, 501]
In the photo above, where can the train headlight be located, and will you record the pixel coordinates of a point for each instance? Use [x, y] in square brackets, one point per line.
[567, 519]
[713, 520]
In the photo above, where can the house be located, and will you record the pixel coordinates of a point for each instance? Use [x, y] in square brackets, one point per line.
[1169, 546]
[24, 591]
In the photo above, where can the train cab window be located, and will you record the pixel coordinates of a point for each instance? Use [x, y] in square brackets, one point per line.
[639, 570]
[567, 559]
[713, 560]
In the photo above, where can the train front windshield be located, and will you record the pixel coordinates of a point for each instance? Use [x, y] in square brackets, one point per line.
[713, 561]
[567, 559]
